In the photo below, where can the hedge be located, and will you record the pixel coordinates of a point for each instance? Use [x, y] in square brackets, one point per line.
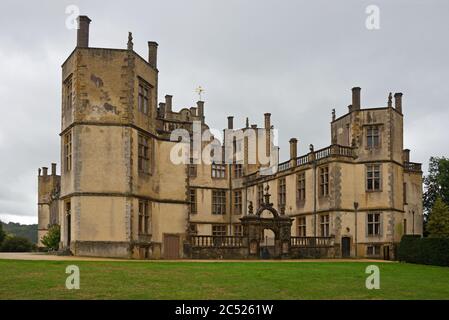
[433, 251]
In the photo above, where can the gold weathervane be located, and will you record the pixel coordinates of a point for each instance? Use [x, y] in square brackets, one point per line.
[199, 91]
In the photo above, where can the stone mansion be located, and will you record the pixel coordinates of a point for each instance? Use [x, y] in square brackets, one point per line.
[119, 195]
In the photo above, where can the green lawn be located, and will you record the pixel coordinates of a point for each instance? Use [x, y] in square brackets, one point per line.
[221, 280]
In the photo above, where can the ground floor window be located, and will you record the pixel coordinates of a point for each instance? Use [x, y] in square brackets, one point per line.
[373, 250]
[219, 230]
[144, 217]
[301, 226]
[324, 224]
[238, 230]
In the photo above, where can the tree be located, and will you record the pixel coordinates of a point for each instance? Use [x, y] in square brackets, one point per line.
[2, 233]
[438, 224]
[436, 184]
[52, 238]
[16, 244]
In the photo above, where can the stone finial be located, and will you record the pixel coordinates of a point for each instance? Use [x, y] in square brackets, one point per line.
[250, 208]
[247, 122]
[333, 114]
[130, 41]
[311, 148]
[390, 100]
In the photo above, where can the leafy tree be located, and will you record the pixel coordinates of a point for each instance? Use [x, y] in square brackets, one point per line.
[16, 244]
[2, 233]
[52, 238]
[438, 225]
[436, 183]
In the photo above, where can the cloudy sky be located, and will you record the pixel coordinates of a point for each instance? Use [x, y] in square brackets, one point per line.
[295, 59]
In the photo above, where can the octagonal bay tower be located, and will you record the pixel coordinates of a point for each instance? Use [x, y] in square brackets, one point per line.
[116, 175]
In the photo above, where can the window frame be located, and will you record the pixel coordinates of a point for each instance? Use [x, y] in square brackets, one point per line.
[144, 153]
[193, 205]
[371, 178]
[373, 225]
[218, 202]
[144, 97]
[68, 145]
[144, 222]
[238, 202]
[222, 232]
[325, 225]
[324, 181]
[372, 136]
[301, 186]
[282, 192]
[218, 170]
[302, 226]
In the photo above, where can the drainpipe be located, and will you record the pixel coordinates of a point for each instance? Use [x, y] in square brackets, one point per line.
[356, 206]
[413, 221]
[314, 190]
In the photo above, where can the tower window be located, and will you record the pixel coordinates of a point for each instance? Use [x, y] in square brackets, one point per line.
[144, 217]
[68, 93]
[143, 98]
[144, 154]
[68, 151]
[373, 224]
[373, 177]
[372, 137]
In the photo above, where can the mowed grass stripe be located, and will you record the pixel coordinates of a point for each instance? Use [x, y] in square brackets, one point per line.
[21, 279]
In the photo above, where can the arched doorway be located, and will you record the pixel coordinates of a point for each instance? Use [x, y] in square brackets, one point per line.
[268, 233]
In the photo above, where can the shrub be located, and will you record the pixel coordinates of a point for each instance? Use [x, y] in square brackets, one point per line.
[433, 251]
[16, 244]
[52, 238]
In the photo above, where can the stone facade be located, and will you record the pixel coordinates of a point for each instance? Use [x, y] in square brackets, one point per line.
[120, 195]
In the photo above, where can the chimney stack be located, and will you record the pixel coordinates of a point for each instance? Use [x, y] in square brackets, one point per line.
[162, 109]
[168, 103]
[398, 101]
[152, 54]
[230, 122]
[356, 98]
[267, 121]
[53, 169]
[82, 38]
[200, 105]
[406, 155]
[293, 148]
[45, 171]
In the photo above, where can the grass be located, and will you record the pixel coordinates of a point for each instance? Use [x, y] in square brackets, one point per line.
[21, 279]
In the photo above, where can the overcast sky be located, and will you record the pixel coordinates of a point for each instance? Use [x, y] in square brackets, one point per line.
[295, 59]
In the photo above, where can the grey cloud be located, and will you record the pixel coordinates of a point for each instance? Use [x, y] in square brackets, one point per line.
[295, 59]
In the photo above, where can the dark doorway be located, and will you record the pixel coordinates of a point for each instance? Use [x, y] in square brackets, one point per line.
[345, 247]
[68, 210]
[386, 253]
[171, 246]
[69, 230]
